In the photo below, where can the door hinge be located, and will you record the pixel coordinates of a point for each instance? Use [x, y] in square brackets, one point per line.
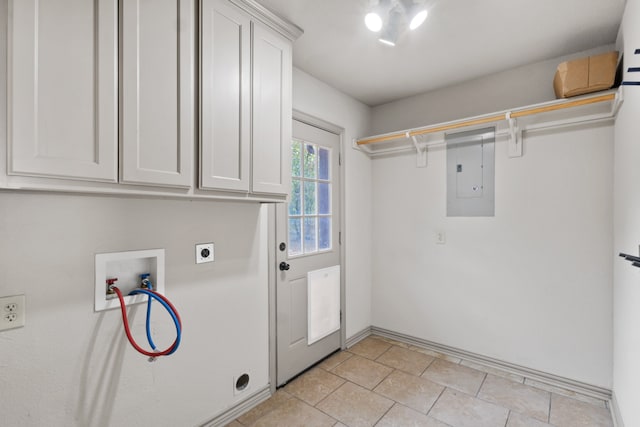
[339, 237]
[339, 159]
[341, 317]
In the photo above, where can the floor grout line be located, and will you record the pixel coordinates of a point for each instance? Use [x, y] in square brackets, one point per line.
[481, 384]
[436, 401]
[411, 362]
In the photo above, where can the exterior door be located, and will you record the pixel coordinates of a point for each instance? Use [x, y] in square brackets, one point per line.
[308, 282]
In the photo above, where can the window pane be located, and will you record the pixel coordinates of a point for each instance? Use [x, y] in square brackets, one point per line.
[295, 236]
[324, 233]
[324, 198]
[310, 241]
[296, 156]
[310, 161]
[295, 200]
[323, 164]
[310, 207]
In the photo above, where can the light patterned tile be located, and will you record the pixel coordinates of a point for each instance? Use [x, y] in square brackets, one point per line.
[314, 385]
[495, 371]
[361, 371]
[295, 413]
[455, 376]
[520, 398]
[234, 424]
[519, 420]
[567, 412]
[392, 341]
[401, 416]
[333, 361]
[278, 398]
[567, 393]
[435, 354]
[370, 347]
[461, 410]
[355, 406]
[414, 392]
[406, 360]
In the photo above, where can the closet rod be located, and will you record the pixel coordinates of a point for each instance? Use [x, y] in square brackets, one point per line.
[489, 119]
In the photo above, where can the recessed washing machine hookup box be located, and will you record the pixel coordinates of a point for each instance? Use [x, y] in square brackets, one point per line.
[127, 268]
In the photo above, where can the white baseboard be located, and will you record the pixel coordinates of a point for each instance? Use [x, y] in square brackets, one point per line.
[615, 411]
[240, 408]
[354, 339]
[533, 374]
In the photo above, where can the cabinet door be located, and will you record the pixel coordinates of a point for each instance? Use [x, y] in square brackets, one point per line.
[225, 97]
[271, 135]
[62, 88]
[157, 92]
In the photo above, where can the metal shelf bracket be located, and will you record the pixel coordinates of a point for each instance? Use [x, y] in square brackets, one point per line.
[421, 151]
[515, 136]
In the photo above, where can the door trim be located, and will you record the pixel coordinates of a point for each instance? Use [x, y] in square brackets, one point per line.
[271, 252]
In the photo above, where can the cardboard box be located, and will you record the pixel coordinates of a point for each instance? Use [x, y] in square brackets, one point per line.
[585, 75]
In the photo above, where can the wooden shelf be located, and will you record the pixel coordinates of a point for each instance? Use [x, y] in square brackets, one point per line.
[598, 106]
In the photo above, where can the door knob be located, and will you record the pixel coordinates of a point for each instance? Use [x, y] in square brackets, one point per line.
[284, 266]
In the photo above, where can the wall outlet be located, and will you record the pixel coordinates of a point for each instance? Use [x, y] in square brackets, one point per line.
[204, 253]
[12, 310]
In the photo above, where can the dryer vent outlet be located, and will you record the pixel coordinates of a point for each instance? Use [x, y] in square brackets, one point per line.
[241, 384]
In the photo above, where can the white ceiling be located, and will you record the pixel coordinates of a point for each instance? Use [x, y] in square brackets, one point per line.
[461, 40]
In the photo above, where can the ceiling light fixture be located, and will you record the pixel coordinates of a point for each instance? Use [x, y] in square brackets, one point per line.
[373, 21]
[390, 17]
[391, 31]
[418, 19]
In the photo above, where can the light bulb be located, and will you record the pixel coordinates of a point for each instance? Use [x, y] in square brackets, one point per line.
[387, 42]
[418, 19]
[373, 21]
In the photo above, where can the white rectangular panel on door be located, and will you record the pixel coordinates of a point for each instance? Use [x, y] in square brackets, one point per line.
[323, 303]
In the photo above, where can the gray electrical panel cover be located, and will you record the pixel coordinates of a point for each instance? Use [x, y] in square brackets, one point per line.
[470, 173]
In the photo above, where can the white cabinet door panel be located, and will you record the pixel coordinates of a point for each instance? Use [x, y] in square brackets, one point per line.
[225, 97]
[62, 88]
[271, 134]
[157, 104]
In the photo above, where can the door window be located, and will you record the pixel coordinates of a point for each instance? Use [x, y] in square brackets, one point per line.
[310, 210]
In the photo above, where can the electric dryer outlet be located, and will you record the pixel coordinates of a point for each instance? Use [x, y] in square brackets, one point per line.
[204, 253]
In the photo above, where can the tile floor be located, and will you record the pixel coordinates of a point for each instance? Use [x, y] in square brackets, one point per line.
[386, 383]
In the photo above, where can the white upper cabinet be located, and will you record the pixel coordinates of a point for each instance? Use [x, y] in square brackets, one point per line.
[103, 96]
[157, 92]
[271, 100]
[245, 79]
[225, 97]
[62, 88]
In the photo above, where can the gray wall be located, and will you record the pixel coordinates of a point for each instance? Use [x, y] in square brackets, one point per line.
[626, 350]
[517, 87]
[517, 286]
[71, 366]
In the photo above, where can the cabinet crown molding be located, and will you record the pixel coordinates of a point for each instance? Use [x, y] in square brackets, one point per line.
[281, 25]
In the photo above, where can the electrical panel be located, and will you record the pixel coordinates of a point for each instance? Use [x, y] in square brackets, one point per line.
[470, 173]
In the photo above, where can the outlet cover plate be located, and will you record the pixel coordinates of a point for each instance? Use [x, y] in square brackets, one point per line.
[12, 310]
[204, 253]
